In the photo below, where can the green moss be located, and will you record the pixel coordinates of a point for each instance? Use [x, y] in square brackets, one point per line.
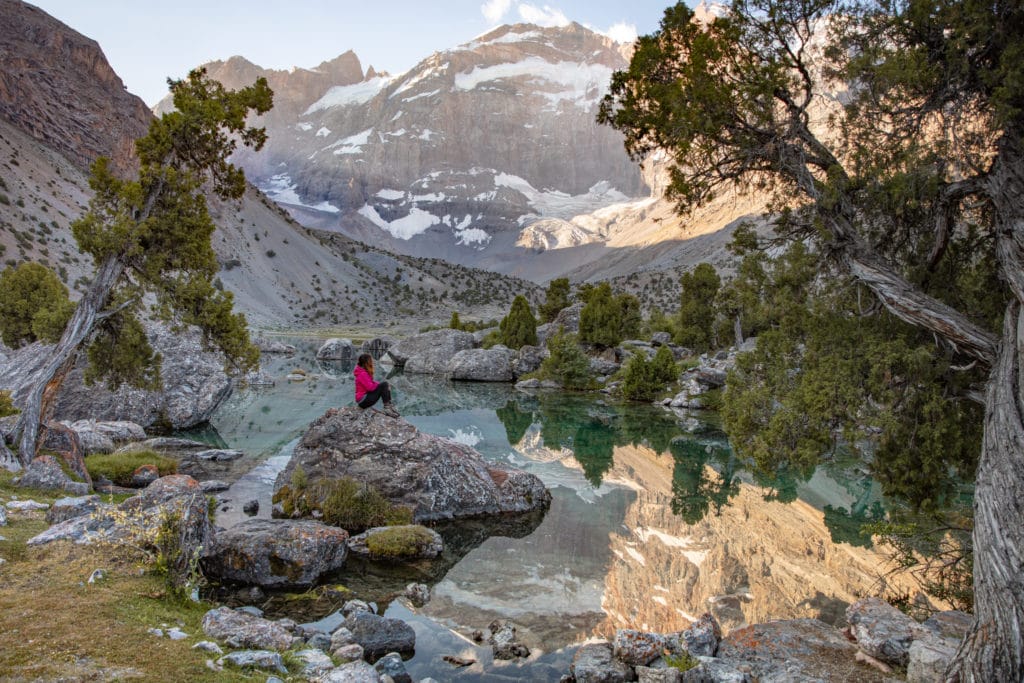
[683, 662]
[119, 467]
[399, 542]
[343, 502]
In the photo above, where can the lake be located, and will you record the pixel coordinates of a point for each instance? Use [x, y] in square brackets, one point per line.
[652, 523]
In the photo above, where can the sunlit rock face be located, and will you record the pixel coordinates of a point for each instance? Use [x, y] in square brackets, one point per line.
[753, 561]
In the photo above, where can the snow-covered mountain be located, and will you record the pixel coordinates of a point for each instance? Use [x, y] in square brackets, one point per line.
[456, 157]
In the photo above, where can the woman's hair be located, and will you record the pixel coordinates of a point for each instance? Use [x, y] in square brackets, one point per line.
[365, 361]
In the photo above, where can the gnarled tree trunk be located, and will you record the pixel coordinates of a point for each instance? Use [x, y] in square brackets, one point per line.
[61, 358]
[994, 648]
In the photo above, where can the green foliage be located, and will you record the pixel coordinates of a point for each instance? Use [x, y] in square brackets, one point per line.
[34, 304]
[697, 308]
[556, 297]
[121, 354]
[607, 318]
[516, 421]
[119, 467]
[566, 364]
[683, 661]
[399, 542]
[343, 502]
[6, 404]
[454, 323]
[519, 327]
[663, 366]
[696, 485]
[638, 381]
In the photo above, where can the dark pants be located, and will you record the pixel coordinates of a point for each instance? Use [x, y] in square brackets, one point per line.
[371, 397]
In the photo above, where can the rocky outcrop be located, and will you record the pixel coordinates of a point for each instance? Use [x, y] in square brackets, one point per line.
[176, 498]
[377, 346]
[45, 473]
[380, 635]
[594, 663]
[529, 360]
[275, 553]
[429, 353]
[64, 509]
[336, 349]
[482, 365]
[57, 86]
[882, 631]
[194, 382]
[273, 346]
[567, 321]
[436, 478]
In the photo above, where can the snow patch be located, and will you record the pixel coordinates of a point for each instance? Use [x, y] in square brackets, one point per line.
[390, 195]
[347, 95]
[280, 188]
[323, 132]
[426, 134]
[422, 94]
[581, 83]
[353, 144]
[417, 222]
[304, 126]
[472, 236]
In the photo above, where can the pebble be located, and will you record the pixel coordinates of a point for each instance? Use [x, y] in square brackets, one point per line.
[208, 646]
[26, 505]
[97, 576]
[176, 634]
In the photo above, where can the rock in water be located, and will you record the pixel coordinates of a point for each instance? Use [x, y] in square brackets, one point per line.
[429, 353]
[435, 477]
[482, 365]
[336, 349]
[380, 635]
[276, 552]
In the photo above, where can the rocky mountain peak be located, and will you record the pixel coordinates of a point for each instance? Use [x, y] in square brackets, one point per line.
[57, 86]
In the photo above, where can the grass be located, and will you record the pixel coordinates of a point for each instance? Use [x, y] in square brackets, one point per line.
[342, 502]
[399, 542]
[119, 467]
[683, 662]
[56, 626]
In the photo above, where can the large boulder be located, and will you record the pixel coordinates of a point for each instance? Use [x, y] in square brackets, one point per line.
[429, 353]
[377, 346]
[194, 384]
[882, 631]
[177, 499]
[529, 360]
[702, 637]
[435, 477]
[594, 663]
[276, 552]
[567, 320]
[380, 635]
[336, 349]
[46, 473]
[795, 650]
[482, 365]
[273, 346]
[398, 542]
[241, 629]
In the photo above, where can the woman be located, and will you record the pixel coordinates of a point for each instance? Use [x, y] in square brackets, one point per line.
[369, 392]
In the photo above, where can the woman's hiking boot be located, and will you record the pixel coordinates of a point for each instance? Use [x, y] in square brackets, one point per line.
[389, 410]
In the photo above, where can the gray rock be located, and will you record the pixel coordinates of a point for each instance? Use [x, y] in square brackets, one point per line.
[25, 505]
[482, 365]
[637, 647]
[254, 659]
[143, 476]
[68, 508]
[314, 662]
[430, 548]
[320, 641]
[276, 552]
[336, 349]
[950, 624]
[661, 339]
[353, 606]
[603, 367]
[503, 640]
[250, 609]
[273, 346]
[795, 650]
[567, 320]
[351, 652]
[251, 508]
[258, 378]
[418, 594]
[646, 674]
[92, 439]
[529, 360]
[218, 455]
[702, 637]
[176, 634]
[928, 657]
[46, 473]
[712, 670]
[594, 663]
[208, 646]
[429, 353]
[353, 672]
[689, 397]
[165, 444]
[391, 665]
[214, 486]
[435, 477]
[380, 635]
[242, 630]
[882, 631]
[377, 346]
[176, 497]
[3, 516]
[711, 377]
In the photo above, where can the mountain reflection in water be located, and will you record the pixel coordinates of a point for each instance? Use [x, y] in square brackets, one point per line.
[652, 521]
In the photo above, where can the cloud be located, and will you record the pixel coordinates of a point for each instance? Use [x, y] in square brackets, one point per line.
[495, 10]
[542, 16]
[622, 32]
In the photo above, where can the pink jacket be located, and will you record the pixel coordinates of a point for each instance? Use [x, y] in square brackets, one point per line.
[364, 383]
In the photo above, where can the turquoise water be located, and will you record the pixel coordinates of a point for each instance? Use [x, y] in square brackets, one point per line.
[651, 523]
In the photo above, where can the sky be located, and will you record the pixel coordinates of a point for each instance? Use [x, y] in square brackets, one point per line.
[146, 42]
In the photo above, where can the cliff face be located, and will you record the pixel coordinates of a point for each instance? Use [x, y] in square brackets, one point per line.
[57, 86]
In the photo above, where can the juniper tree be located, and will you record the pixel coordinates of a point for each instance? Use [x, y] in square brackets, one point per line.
[151, 235]
[519, 327]
[919, 197]
[696, 319]
[556, 297]
[34, 304]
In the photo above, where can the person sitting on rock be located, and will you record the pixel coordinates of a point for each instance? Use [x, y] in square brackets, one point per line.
[369, 392]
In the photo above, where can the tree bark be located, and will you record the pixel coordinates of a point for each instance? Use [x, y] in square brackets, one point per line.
[994, 647]
[62, 356]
